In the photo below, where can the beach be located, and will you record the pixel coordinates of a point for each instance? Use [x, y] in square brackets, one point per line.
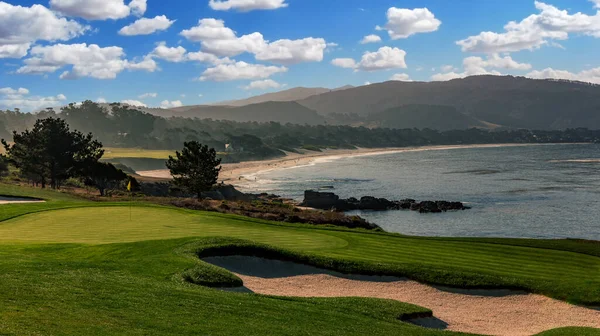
[245, 171]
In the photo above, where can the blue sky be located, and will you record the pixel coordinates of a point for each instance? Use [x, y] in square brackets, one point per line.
[59, 51]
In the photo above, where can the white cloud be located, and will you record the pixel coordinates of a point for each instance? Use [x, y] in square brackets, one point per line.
[22, 26]
[219, 40]
[370, 39]
[93, 9]
[170, 104]
[293, 51]
[86, 61]
[101, 100]
[403, 22]
[347, 63]
[208, 58]
[447, 68]
[138, 7]
[170, 54]
[200, 95]
[132, 102]
[11, 91]
[401, 77]
[478, 66]
[246, 5]
[20, 98]
[590, 76]
[182, 95]
[240, 70]
[368, 83]
[263, 85]
[209, 29]
[383, 59]
[534, 31]
[148, 95]
[145, 26]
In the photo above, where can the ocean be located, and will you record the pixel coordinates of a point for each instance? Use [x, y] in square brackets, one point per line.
[538, 191]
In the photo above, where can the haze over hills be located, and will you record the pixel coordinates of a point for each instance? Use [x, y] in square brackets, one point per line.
[508, 101]
[479, 101]
[282, 112]
[293, 94]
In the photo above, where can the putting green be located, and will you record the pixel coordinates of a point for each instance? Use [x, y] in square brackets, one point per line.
[120, 224]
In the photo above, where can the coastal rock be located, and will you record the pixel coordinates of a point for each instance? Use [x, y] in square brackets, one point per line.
[331, 201]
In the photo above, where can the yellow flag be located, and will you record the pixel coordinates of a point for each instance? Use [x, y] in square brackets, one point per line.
[129, 186]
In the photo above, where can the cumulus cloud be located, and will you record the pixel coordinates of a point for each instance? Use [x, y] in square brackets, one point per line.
[589, 76]
[535, 31]
[347, 63]
[20, 98]
[101, 100]
[132, 102]
[383, 59]
[148, 95]
[370, 39]
[138, 7]
[219, 40]
[11, 91]
[293, 51]
[263, 85]
[98, 9]
[478, 66]
[22, 26]
[401, 77]
[246, 5]
[208, 58]
[170, 104]
[147, 26]
[170, 54]
[403, 22]
[239, 71]
[85, 61]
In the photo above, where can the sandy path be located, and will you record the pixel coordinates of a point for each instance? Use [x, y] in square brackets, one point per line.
[489, 312]
[244, 171]
[18, 200]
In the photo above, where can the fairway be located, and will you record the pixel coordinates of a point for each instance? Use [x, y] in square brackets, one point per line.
[121, 267]
[116, 153]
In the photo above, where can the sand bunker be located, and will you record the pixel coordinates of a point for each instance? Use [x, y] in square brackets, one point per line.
[17, 200]
[490, 312]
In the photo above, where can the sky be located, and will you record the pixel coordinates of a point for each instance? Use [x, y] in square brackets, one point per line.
[159, 53]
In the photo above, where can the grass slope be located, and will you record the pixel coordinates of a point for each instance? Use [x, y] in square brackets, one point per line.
[95, 271]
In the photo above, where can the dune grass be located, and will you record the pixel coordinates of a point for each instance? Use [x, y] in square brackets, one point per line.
[92, 269]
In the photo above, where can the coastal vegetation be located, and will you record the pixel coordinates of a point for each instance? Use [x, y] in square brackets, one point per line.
[111, 268]
[144, 141]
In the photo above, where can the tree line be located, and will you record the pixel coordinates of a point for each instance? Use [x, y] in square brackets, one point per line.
[117, 125]
[51, 153]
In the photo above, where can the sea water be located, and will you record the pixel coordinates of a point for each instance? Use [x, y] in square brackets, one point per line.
[538, 191]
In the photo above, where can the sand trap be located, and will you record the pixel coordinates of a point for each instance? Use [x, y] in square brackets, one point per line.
[490, 312]
[17, 200]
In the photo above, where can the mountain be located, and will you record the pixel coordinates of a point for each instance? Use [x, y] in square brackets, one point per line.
[294, 94]
[282, 112]
[508, 101]
[442, 118]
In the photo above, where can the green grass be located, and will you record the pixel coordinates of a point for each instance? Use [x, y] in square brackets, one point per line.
[90, 269]
[116, 153]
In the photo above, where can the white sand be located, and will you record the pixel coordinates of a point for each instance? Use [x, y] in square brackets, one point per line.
[489, 312]
[234, 172]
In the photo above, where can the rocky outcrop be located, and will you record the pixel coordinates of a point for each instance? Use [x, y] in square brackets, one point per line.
[331, 201]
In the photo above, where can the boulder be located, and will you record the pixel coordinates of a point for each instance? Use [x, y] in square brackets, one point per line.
[320, 200]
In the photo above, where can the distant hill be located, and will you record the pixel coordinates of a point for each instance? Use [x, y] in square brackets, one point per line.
[294, 94]
[442, 118]
[503, 100]
[282, 112]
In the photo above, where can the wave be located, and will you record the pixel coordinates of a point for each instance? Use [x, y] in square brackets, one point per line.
[576, 161]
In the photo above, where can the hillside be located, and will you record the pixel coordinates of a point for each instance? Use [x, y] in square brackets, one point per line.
[293, 94]
[282, 112]
[507, 101]
[442, 118]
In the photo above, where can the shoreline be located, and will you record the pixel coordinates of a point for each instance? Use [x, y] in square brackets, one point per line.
[245, 171]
